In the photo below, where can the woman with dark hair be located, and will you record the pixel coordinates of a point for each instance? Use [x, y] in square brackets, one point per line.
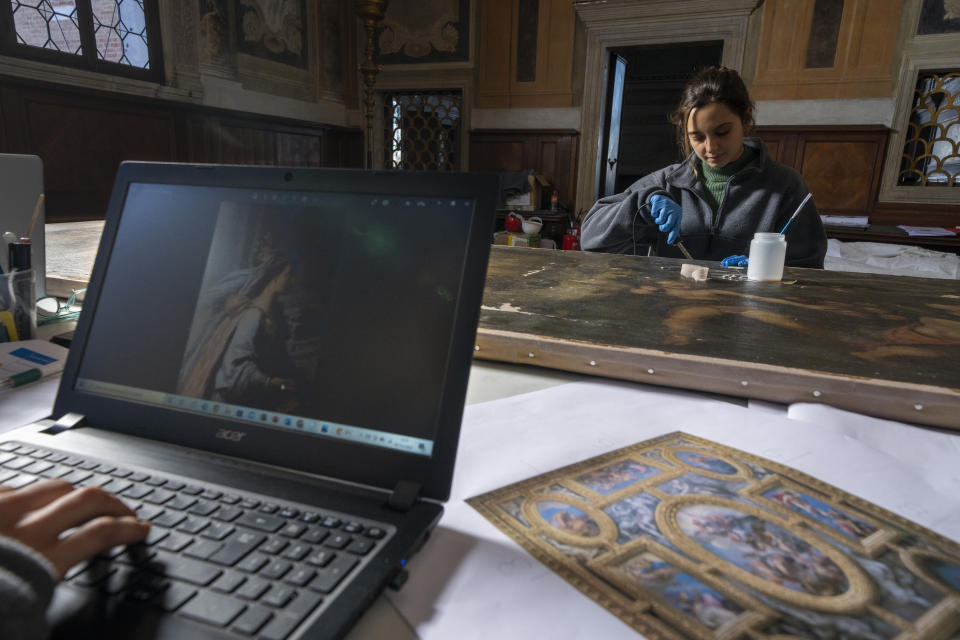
[727, 189]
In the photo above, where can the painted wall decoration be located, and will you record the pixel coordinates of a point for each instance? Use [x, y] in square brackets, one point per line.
[273, 30]
[682, 537]
[214, 28]
[939, 16]
[420, 31]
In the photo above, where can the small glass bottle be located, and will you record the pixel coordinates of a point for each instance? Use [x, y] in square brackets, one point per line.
[767, 253]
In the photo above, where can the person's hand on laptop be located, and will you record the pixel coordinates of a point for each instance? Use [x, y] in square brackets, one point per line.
[40, 514]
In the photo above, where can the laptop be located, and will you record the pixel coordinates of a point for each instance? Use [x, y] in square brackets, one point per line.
[21, 183]
[271, 366]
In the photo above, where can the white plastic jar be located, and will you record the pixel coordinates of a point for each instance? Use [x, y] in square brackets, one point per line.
[767, 253]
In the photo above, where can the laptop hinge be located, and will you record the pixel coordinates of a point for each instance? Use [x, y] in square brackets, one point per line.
[404, 495]
[67, 421]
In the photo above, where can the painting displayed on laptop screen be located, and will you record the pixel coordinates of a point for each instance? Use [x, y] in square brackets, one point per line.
[278, 303]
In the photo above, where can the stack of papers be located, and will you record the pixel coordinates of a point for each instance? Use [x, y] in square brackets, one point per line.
[853, 222]
[927, 231]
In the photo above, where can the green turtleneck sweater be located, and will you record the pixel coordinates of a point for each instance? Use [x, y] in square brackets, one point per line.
[715, 180]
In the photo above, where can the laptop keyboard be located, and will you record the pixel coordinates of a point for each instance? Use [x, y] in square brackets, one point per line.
[232, 560]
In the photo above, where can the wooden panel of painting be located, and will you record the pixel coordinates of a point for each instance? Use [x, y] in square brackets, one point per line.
[882, 345]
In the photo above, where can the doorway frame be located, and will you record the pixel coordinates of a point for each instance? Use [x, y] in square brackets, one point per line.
[625, 23]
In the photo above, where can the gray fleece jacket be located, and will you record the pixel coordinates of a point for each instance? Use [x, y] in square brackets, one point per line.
[27, 580]
[760, 197]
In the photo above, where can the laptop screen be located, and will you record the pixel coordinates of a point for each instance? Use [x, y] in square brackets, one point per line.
[325, 313]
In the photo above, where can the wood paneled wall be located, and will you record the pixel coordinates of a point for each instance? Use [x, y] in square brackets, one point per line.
[552, 153]
[500, 84]
[842, 166]
[862, 56]
[82, 136]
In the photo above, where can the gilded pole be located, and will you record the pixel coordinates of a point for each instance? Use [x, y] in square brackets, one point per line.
[371, 14]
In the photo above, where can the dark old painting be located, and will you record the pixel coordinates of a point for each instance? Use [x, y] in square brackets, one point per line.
[877, 344]
[939, 16]
[682, 537]
[418, 31]
[274, 30]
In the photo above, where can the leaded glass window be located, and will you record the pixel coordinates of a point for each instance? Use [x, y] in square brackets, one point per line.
[931, 154]
[423, 130]
[113, 36]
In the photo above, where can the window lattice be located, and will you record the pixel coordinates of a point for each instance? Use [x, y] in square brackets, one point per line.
[423, 130]
[119, 28]
[931, 154]
[50, 24]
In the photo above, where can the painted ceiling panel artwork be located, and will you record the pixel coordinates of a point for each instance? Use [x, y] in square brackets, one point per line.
[682, 537]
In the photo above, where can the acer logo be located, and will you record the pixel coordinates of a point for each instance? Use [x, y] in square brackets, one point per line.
[232, 436]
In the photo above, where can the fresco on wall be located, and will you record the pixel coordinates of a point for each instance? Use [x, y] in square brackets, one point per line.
[273, 30]
[939, 16]
[420, 31]
[214, 29]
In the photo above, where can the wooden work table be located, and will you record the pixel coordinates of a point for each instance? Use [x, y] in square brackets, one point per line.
[888, 346]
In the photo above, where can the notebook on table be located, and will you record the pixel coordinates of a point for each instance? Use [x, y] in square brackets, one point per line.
[271, 366]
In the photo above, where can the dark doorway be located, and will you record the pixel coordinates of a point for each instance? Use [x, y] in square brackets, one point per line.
[643, 90]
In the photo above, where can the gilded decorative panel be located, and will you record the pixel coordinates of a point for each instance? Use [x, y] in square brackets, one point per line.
[681, 537]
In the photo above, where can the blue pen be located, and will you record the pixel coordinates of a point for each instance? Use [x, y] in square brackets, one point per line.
[796, 213]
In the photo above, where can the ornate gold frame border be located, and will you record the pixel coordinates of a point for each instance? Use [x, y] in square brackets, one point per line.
[860, 592]
[755, 612]
[743, 474]
[871, 546]
[587, 571]
[605, 499]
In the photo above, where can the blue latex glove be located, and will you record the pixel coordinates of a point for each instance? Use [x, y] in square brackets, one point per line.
[735, 261]
[667, 214]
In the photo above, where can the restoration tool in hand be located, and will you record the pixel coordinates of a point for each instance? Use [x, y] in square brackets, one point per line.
[796, 213]
[683, 250]
[665, 218]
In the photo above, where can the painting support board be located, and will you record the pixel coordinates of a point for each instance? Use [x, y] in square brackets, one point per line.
[887, 346]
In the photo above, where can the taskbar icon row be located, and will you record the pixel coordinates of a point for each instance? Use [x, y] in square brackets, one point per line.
[306, 425]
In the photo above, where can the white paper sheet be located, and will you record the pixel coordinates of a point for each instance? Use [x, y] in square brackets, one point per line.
[472, 581]
[28, 403]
